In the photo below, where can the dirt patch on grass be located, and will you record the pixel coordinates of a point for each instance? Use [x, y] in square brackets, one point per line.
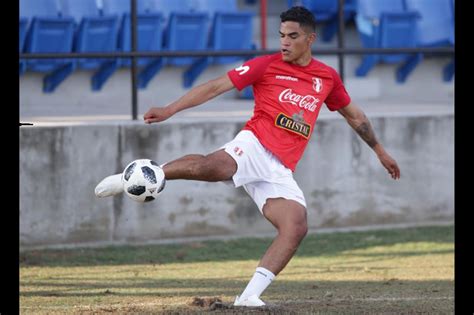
[209, 303]
[441, 305]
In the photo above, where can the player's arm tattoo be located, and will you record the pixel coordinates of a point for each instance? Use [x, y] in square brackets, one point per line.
[366, 132]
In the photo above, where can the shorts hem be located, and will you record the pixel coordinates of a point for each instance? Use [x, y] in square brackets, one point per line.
[260, 208]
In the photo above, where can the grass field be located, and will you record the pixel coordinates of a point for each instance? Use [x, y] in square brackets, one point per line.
[402, 271]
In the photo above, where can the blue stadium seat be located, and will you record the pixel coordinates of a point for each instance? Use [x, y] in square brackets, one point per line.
[149, 35]
[436, 24]
[434, 28]
[21, 41]
[231, 29]
[41, 8]
[22, 32]
[122, 7]
[448, 71]
[166, 7]
[350, 8]
[48, 32]
[186, 29]
[327, 11]
[213, 6]
[384, 24]
[323, 10]
[94, 32]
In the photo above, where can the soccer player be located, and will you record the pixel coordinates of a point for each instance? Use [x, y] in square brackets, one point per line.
[290, 88]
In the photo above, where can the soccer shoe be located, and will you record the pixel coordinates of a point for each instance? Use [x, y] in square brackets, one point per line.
[109, 186]
[252, 300]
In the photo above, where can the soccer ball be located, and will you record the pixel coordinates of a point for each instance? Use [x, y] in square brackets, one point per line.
[143, 180]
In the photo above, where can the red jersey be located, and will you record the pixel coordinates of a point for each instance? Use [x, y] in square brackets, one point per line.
[288, 99]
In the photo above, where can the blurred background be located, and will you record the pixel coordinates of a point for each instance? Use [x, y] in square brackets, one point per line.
[87, 123]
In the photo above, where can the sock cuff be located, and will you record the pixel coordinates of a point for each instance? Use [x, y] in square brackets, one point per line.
[266, 273]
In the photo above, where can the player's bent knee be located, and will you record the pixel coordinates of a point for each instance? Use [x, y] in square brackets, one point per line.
[297, 228]
[302, 230]
[298, 231]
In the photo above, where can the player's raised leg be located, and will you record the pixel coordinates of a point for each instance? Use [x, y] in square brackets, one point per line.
[214, 167]
[109, 186]
[217, 166]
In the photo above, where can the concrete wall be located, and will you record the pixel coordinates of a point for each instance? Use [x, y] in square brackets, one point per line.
[343, 181]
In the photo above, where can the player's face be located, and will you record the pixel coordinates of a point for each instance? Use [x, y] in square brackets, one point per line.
[295, 42]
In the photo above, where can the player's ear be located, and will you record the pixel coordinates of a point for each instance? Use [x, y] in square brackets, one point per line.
[312, 37]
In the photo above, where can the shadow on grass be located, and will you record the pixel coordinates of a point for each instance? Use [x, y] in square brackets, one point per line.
[141, 286]
[287, 297]
[245, 249]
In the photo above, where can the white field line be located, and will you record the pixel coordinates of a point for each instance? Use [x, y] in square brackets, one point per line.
[270, 303]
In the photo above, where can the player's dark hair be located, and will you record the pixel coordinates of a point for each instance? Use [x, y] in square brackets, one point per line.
[301, 15]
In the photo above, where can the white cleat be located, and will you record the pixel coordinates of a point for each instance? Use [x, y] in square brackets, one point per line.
[252, 300]
[109, 186]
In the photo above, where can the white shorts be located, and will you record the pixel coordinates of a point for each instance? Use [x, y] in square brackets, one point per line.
[261, 174]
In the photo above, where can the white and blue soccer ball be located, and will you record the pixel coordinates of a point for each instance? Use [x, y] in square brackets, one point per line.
[143, 180]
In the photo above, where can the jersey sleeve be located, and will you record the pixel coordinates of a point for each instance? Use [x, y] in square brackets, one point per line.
[249, 72]
[338, 98]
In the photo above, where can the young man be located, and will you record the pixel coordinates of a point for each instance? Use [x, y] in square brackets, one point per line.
[290, 88]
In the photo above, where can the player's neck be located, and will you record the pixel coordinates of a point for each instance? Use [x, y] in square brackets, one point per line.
[304, 60]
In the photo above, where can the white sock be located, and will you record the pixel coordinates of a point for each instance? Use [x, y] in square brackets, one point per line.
[260, 281]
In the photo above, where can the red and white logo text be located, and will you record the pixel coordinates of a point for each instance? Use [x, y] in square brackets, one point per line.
[308, 102]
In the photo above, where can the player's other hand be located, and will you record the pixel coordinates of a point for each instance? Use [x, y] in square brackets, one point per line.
[390, 165]
[156, 114]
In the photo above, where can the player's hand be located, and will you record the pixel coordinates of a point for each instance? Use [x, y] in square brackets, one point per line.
[390, 165]
[157, 114]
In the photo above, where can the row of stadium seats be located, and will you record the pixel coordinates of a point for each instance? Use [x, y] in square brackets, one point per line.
[404, 23]
[104, 26]
[391, 24]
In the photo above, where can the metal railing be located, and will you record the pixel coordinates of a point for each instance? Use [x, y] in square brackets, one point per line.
[340, 51]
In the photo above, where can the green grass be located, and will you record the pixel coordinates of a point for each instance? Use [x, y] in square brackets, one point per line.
[388, 271]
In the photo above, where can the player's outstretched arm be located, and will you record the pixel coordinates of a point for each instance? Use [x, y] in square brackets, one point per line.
[356, 118]
[196, 96]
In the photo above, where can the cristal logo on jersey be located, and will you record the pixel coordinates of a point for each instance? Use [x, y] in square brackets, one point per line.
[317, 84]
[308, 102]
[298, 126]
[242, 69]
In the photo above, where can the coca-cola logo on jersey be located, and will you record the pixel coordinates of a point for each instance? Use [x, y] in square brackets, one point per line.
[308, 102]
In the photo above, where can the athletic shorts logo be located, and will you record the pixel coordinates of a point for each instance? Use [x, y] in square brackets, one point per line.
[317, 84]
[238, 151]
[242, 69]
[299, 127]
